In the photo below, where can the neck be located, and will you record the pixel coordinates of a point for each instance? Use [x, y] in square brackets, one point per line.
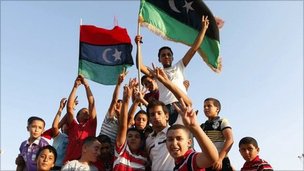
[31, 140]
[159, 129]
[83, 161]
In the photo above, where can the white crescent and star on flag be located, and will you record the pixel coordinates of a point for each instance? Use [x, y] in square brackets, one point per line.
[111, 59]
[188, 6]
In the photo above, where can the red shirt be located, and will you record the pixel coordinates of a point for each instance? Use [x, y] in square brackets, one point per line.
[77, 134]
[187, 162]
[256, 164]
[104, 166]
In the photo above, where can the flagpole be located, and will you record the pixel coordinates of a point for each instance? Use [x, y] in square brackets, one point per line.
[138, 61]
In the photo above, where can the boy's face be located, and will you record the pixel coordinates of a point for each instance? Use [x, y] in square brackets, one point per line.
[133, 140]
[141, 121]
[45, 160]
[36, 128]
[105, 151]
[248, 151]
[157, 117]
[93, 151]
[83, 116]
[210, 110]
[165, 58]
[178, 142]
[150, 84]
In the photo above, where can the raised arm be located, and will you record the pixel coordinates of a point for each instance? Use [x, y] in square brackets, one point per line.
[90, 97]
[198, 41]
[209, 152]
[123, 118]
[120, 79]
[137, 100]
[71, 99]
[178, 93]
[55, 124]
[143, 68]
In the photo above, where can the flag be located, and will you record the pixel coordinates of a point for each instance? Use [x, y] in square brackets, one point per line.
[180, 21]
[103, 54]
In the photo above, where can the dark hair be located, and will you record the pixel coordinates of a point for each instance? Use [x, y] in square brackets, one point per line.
[154, 103]
[89, 140]
[249, 140]
[215, 102]
[119, 101]
[142, 136]
[50, 148]
[34, 118]
[162, 48]
[179, 126]
[78, 113]
[104, 138]
[141, 112]
[143, 78]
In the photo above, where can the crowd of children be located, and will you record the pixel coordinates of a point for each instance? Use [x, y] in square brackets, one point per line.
[158, 138]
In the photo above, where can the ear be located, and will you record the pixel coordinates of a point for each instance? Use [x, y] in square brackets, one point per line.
[189, 142]
[27, 128]
[158, 59]
[258, 149]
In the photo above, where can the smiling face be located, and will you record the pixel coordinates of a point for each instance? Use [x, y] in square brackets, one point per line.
[178, 142]
[248, 151]
[45, 160]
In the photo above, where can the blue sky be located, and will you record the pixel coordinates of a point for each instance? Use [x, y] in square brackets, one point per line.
[260, 87]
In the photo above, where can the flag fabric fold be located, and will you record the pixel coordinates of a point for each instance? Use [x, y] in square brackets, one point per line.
[180, 21]
[103, 54]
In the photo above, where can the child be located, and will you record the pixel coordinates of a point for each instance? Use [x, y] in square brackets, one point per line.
[46, 158]
[106, 157]
[151, 85]
[249, 150]
[179, 143]
[60, 139]
[29, 148]
[219, 131]
[89, 153]
[128, 155]
[109, 125]
[86, 123]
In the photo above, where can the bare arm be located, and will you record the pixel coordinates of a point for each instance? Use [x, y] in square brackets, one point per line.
[197, 43]
[123, 118]
[209, 152]
[120, 79]
[55, 124]
[90, 97]
[226, 148]
[71, 99]
[178, 93]
[143, 68]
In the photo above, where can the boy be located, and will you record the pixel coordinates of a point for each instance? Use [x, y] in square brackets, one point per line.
[174, 72]
[179, 143]
[86, 118]
[29, 148]
[106, 157]
[220, 132]
[128, 152]
[46, 158]
[89, 153]
[109, 125]
[249, 150]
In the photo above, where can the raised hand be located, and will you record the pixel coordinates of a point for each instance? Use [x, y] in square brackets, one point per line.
[205, 22]
[122, 76]
[187, 113]
[63, 102]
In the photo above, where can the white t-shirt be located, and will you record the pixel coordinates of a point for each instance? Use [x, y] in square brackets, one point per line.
[176, 74]
[75, 165]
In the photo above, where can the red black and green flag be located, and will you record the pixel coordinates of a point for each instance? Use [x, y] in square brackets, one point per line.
[180, 21]
[104, 54]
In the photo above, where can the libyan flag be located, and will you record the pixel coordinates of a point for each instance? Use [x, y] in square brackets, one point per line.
[180, 21]
[104, 54]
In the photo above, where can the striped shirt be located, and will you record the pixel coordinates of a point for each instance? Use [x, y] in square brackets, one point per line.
[109, 127]
[257, 164]
[126, 161]
[187, 162]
